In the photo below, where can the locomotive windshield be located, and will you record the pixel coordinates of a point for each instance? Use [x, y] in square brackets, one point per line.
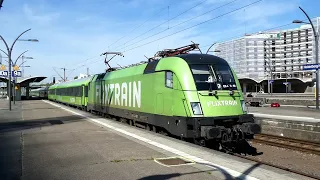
[213, 77]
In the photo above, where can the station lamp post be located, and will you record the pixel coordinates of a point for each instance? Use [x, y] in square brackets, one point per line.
[316, 40]
[15, 79]
[13, 64]
[9, 53]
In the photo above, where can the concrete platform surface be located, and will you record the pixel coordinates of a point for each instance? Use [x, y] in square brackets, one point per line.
[47, 142]
[287, 113]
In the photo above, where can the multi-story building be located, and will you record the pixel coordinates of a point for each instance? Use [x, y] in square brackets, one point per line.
[276, 55]
[245, 55]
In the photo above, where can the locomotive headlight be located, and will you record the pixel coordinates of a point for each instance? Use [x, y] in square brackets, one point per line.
[196, 108]
[244, 107]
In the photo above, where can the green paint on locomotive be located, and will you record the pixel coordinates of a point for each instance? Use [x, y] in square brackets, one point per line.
[170, 91]
[73, 92]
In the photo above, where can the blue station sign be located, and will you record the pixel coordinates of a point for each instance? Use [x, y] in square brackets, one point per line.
[311, 67]
[4, 73]
[16, 73]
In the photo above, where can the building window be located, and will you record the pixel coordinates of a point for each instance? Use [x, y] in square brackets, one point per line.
[169, 79]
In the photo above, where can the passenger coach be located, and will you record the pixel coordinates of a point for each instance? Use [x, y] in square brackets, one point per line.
[73, 93]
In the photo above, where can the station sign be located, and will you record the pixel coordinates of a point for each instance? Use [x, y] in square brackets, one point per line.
[311, 66]
[271, 81]
[16, 73]
[4, 73]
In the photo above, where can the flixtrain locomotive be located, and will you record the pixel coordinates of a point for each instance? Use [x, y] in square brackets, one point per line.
[190, 95]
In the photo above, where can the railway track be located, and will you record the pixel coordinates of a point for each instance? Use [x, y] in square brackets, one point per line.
[277, 166]
[288, 143]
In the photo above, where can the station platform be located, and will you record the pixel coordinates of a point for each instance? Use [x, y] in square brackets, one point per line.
[287, 112]
[45, 140]
[293, 122]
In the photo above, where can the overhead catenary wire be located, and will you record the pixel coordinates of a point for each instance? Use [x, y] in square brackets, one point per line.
[261, 31]
[164, 22]
[137, 27]
[193, 26]
[170, 20]
[182, 22]
[238, 36]
[76, 68]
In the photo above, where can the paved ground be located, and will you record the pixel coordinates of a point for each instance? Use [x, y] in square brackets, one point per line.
[48, 143]
[287, 111]
[42, 141]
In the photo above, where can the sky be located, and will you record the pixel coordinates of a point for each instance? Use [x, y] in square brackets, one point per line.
[73, 34]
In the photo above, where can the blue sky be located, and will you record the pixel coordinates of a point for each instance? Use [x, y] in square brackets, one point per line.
[73, 33]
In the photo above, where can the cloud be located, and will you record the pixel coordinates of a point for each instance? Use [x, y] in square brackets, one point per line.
[41, 19]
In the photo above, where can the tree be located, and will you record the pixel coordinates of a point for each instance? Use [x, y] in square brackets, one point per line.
[75, 77]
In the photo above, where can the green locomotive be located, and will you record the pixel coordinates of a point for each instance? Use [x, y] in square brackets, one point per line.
[192, 96]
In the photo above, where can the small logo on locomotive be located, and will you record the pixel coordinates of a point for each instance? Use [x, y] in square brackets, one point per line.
[222, 103]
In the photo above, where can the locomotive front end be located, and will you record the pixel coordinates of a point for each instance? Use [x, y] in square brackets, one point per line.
[218, 108]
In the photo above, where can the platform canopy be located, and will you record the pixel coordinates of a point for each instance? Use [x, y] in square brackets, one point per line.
[3, 79]
[25, 81]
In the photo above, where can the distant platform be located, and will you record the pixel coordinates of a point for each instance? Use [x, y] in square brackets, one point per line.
[294, 122]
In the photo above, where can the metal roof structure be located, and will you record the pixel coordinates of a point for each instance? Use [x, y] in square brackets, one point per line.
[25, 81]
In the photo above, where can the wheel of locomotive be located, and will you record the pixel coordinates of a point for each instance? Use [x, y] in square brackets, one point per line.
[153, 128]
[148, 128]
[163, 132]
[122, 120]
[131, 123]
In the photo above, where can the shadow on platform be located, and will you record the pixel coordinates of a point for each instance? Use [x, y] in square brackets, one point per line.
[215, 168]
[29, 124]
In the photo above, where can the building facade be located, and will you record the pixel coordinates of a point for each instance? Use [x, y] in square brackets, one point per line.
[276, 55]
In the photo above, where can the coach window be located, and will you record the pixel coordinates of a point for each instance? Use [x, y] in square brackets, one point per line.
[169, 79]
[86, 91]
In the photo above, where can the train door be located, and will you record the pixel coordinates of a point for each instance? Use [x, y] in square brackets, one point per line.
[168, 93]
[97, 95]
[102, 97]
[90, 95]
[82, 95]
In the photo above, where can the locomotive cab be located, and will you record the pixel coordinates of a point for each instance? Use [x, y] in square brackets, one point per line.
[214, 95]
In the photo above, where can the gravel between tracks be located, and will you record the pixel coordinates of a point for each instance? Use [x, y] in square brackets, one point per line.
[295, 160]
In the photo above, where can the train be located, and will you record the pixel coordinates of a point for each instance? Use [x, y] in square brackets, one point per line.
[192, 96]
[41, 93]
